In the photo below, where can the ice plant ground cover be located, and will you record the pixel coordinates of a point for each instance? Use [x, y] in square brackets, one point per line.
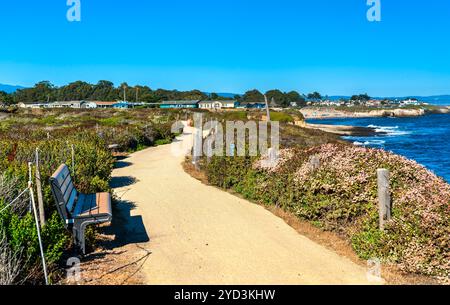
[340, 195]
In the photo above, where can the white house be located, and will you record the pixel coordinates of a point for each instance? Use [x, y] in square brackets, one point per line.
[32, 106]
[215, 105]
[89, 105]
[67, 104]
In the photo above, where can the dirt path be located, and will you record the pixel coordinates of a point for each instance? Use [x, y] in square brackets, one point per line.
[202, 235]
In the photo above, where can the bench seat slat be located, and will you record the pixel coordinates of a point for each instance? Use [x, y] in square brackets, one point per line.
[67, 188]
[93, 205]
[61, 174]
[71, 202]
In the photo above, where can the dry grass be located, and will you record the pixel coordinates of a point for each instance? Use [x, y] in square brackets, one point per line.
[112, 267]
[193, 172]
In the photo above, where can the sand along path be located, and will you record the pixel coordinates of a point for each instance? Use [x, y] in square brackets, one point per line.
[201, 235]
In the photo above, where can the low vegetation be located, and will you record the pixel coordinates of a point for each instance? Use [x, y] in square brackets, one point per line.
[333, 185]
[55, 133]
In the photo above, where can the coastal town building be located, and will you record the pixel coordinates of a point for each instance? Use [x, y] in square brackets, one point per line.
[180, 104]
[218, 104]
[81, 105]
[252, 105]
[89, 105]
[410, 102]
[68, 104]
[32, 106]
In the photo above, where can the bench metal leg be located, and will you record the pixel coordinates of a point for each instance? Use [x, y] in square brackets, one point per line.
[79, 230]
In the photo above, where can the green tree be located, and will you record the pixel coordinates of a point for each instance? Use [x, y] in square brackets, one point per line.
[360, 97]
[75, 91]
[295, 97]
[41, 92]
[6, 98]
[279, 97]
[253, 96]
[315, 96]
[105, 91]
[214, 97]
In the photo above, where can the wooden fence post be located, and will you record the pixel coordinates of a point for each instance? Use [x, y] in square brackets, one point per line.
[198, 140]
[39, 191]
[72, 150]
[384, 196]
[314, 163]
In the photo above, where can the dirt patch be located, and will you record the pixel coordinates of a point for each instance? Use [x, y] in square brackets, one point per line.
[193, 172]
[111, 267]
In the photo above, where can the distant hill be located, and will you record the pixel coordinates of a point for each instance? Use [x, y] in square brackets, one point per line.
[9, 88]
[225, 95]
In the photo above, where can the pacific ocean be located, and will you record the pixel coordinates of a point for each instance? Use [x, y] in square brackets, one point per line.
[424, 139]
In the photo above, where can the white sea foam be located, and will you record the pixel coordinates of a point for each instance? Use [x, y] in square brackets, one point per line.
[370, 143]
[389, 130]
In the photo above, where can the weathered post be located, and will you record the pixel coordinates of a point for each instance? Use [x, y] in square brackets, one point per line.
[384, 196]
[314, 163]
[210, 141]
[38, 230]
[198, 140]
[72, 150]
[39, 191]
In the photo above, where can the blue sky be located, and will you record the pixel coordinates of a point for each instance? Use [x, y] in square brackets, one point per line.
[232, 45]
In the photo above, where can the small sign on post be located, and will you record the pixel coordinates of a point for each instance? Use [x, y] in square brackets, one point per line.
[384, 196]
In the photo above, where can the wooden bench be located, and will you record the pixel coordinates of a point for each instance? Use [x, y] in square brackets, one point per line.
[78, 210]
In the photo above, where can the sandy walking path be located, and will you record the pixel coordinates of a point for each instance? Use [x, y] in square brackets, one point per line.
[202, 235]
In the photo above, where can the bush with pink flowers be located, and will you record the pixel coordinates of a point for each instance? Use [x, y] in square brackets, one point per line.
[339, 193]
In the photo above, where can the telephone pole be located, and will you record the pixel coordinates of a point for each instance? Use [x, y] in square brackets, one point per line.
[267, 108]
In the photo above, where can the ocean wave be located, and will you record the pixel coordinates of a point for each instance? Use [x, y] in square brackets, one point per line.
[389, 130]
[370, 143]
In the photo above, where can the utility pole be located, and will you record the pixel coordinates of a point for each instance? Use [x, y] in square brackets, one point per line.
[267, 108]
[124, 93]
[137, 94]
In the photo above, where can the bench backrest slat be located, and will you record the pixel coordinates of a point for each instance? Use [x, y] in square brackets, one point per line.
[64, 191]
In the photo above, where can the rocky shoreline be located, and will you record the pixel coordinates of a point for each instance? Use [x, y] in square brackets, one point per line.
[330, 113]
[343, 130]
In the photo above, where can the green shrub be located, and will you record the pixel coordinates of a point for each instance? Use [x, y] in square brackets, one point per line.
[55, 132]
[341, 196]
[281, 117]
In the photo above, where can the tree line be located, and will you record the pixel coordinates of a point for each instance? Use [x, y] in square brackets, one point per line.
[104, 90]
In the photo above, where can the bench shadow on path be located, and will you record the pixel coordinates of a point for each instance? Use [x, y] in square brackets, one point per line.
[122, 181]
[122, 164]
[126, 228]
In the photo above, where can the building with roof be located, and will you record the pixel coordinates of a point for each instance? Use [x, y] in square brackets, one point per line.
[105, 104]
[252, 105]
[67, 104]
[216, 105]
[33, 105]
[89, 105]
[179, 104]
